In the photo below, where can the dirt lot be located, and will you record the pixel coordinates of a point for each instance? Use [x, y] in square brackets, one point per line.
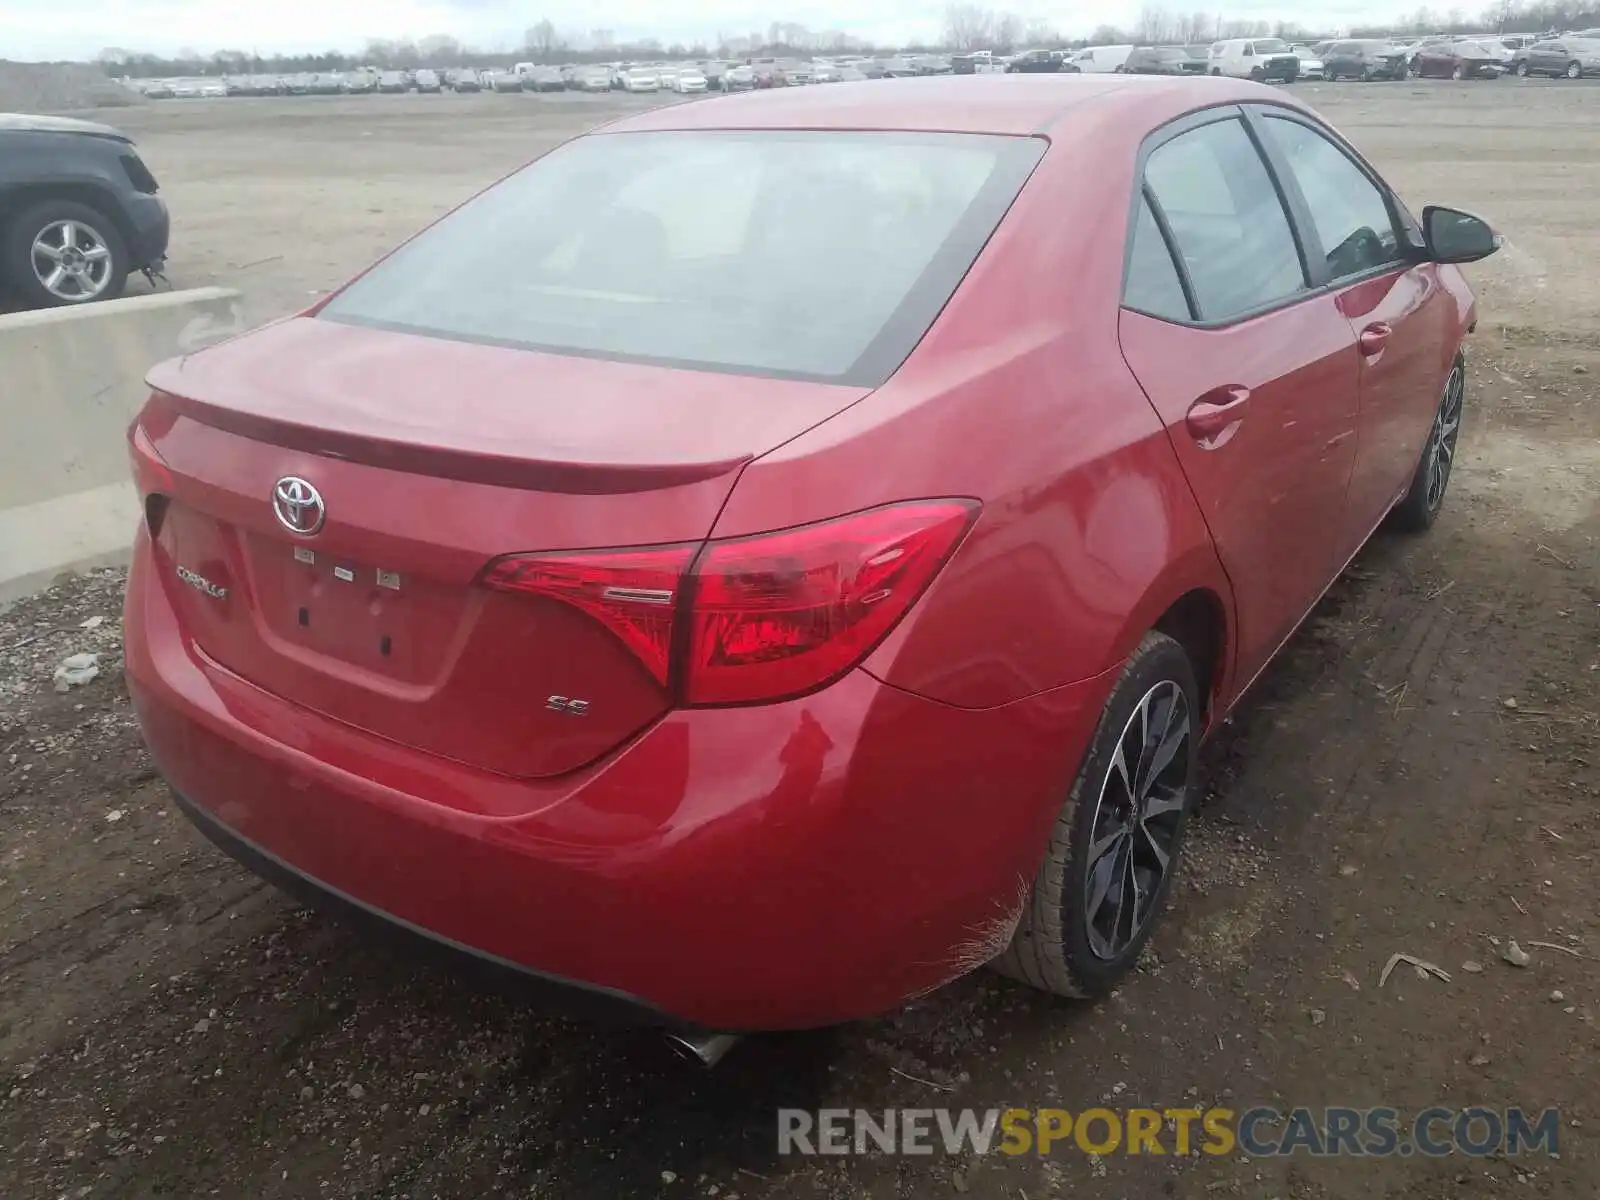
[1417, 774]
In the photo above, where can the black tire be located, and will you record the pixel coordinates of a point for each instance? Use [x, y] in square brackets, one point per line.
[1366, 74]
[1257, 74]
[1419, 509]
[1573, 71]
[1459, 73]
[17, 257]
[1216, 70]
[1522, 70]
[1054, 947]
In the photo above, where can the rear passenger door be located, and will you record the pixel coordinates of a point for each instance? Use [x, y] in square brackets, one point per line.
[1360, 246]
[1253, 376]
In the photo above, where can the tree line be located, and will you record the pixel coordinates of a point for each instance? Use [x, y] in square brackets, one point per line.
[966, 27]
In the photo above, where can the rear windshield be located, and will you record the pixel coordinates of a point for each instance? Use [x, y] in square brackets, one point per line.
[813, 255]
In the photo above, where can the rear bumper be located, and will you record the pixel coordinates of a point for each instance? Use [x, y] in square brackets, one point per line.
[783, 866]
[149, 229]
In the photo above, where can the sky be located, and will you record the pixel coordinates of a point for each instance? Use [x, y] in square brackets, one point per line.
[80, 29]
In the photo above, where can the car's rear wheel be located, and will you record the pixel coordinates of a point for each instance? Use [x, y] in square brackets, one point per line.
[1422, 502]
[1522, 70]
[1366, 74]
[1114, 848]
[60, 252]
[1459, 73]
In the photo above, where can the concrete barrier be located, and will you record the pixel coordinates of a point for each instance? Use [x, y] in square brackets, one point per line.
[71, 379]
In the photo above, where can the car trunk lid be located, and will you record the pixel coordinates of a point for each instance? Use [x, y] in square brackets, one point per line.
[431, 459]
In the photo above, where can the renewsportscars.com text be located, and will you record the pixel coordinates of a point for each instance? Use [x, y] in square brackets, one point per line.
[1257, 1132]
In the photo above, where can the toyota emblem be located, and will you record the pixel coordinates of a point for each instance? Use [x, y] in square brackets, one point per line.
[298, 506]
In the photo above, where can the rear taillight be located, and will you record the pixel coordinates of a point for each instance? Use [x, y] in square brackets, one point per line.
[782, 613]
[150, 475]
[755, 619]
[633, 593]
[139, 175]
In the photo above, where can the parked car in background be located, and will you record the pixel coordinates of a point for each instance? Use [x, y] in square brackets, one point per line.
[1570, 58]
[358, 83]
[543, 79]
[1164, 60]
[689, 81]
[1310, 62]
[1499, 51]
[505, 82]
[1266, 60]
[697, 644]
[157, 89]
[428, 82]
[393, 83]
[1365, 59]
[1096, 60]
[465, 81]
[931, 64]
[594, 79]
[895, 66]
[1033, 62]
[1461, 59]
[641, 79]
[739, 79]
[714, 72]
[79, 211]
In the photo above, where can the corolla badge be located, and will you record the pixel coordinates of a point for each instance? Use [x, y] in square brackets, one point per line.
[201, 584]
[298, 506]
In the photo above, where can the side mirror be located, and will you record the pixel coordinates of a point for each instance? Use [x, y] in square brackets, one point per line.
[1454, 236]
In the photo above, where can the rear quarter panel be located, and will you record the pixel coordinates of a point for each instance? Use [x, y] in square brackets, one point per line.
[1017, 396]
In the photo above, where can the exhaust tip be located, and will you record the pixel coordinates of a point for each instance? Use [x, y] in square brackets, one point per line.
[706, 1049]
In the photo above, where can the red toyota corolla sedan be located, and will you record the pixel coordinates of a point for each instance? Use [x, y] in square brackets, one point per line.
[753, 605]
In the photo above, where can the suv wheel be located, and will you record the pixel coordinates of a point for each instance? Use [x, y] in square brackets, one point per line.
[60, 252]
[1114, 848]
[1574, 71]
[1522, 70]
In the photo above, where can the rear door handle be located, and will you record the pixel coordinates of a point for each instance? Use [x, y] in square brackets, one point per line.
[1374, 338]
[1216, 412]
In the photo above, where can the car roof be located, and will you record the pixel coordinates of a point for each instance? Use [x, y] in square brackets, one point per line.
[1004, 104]
[30, 123]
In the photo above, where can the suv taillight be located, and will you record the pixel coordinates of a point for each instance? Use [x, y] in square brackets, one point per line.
[139, 175]
[755, 619]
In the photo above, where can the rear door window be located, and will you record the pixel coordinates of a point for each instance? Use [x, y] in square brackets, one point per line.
[1227, 220]
[813, 255]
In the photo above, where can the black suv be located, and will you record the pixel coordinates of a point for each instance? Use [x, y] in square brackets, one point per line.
[78, 211]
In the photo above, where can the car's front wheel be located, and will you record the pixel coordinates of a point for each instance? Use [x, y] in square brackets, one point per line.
[1522, 70]
[1114, 847]
[60, 252]
[1421, 505]
[1574, 71]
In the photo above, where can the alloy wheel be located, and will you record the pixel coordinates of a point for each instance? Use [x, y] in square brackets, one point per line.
[1137, 820]
[71, 261]
[1442, 439]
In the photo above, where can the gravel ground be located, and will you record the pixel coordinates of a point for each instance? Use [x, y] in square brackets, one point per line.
[1416, 774]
